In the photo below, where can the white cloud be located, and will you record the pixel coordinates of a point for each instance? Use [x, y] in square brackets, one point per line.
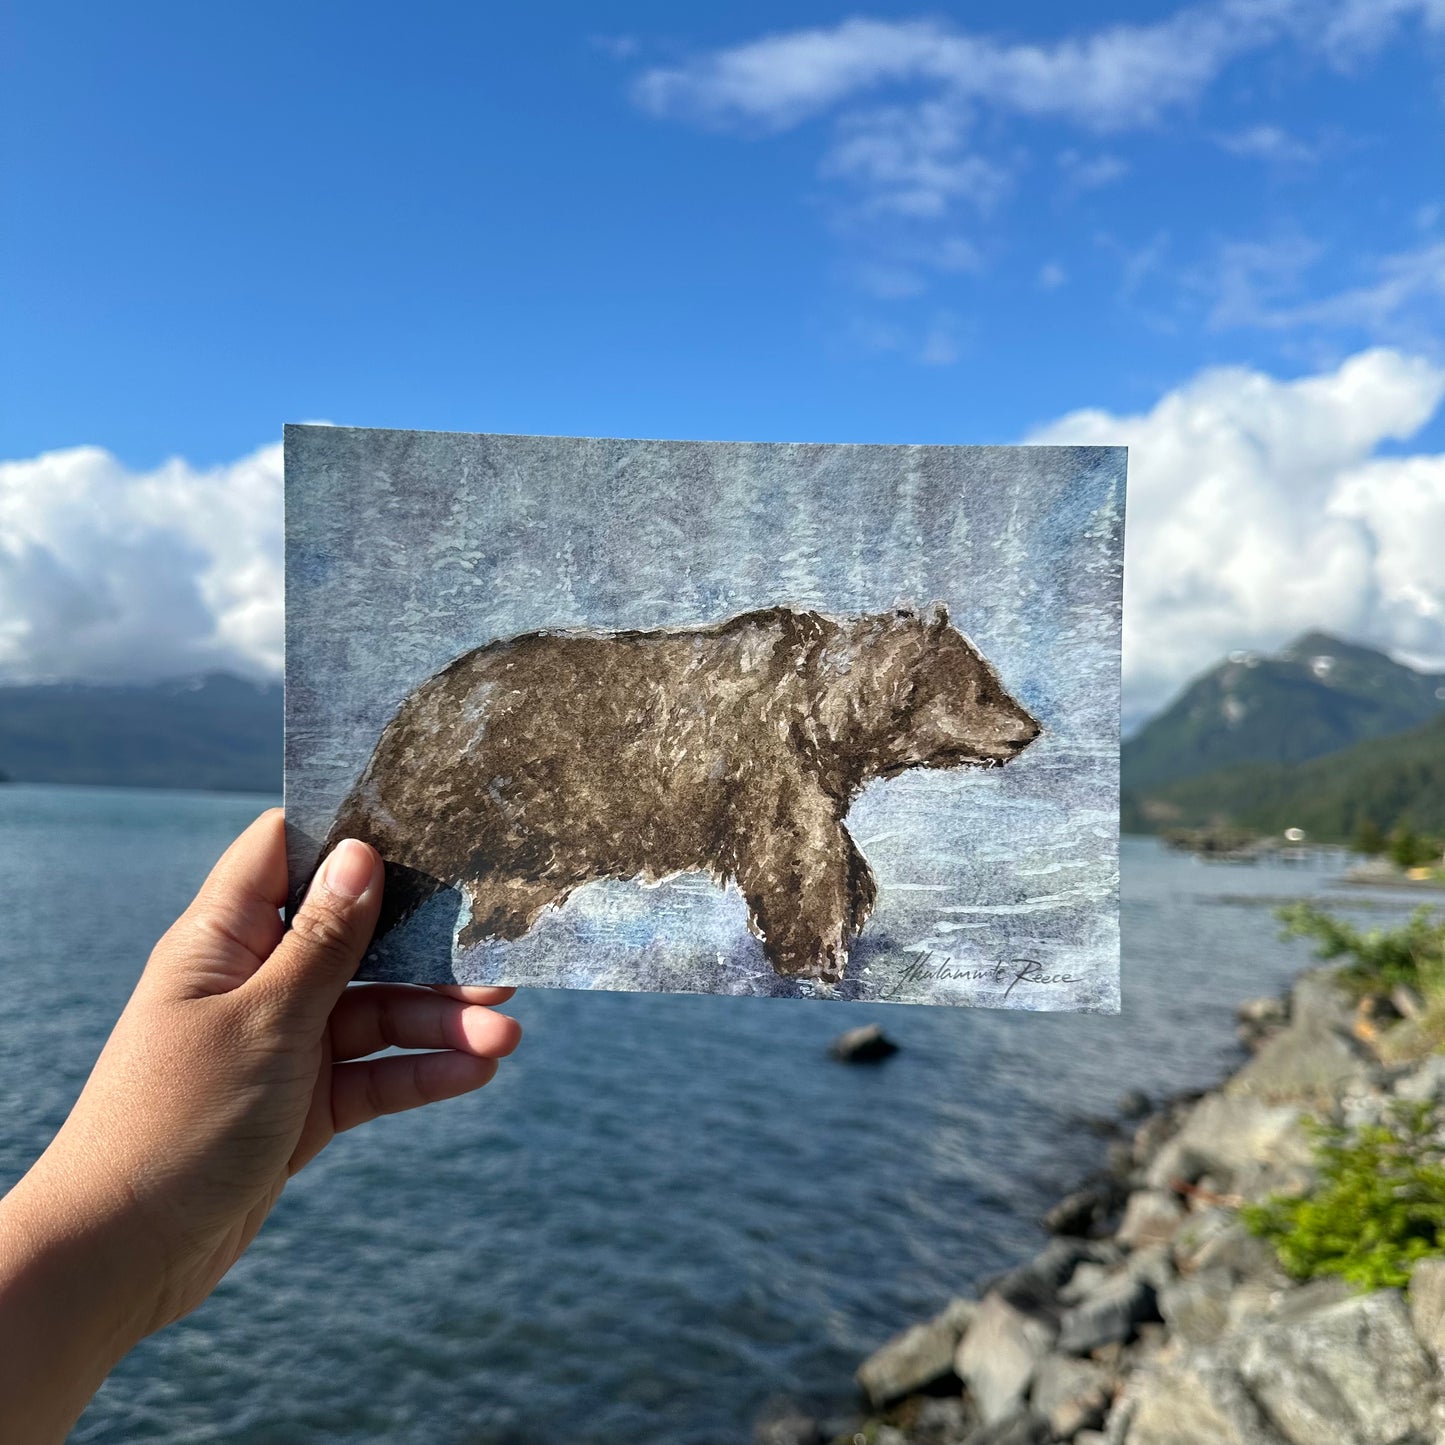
[1114, 77]
[940, 345]
[919, 110]
[109, 574]
[1052, 276]
[916, 156]
[1258, 508]
[1350, 26]
[1269, 143]
[1089, 173]
[619, 47]
[1403, 300]
[912, 161]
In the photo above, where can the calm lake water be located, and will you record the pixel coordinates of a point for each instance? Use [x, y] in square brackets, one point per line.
[664, 1211]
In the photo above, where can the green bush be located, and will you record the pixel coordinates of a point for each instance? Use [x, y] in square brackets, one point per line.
[1409, 850]
[1378, 1205]
[1412, 954]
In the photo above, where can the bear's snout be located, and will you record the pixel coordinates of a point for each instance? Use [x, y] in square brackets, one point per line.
[1018, 732]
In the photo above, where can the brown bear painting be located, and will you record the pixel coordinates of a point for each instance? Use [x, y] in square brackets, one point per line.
[692, 717]
[531, 766]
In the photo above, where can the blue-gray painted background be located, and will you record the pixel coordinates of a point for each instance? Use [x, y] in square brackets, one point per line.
[405, 549]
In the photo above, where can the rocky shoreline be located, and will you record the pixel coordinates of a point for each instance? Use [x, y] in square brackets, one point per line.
[1154, 1317]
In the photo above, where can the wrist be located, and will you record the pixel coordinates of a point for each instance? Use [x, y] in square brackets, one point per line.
[76, 1294]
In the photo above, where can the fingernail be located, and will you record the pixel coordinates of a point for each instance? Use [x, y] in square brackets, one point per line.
[348, 870]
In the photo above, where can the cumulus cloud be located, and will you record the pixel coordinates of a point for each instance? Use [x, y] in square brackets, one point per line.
[112, 575]
[1260, 508]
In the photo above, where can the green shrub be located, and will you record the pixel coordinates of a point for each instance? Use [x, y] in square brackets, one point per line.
[1409, 850]
[1378, 1205]
[1412, 954]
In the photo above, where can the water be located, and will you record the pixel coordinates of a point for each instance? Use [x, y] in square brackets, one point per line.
[665, 1209]
[974, 868]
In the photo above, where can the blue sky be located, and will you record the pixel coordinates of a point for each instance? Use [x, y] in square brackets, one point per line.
[791, 221]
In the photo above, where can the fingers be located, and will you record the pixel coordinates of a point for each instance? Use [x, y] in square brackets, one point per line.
[368, 1019]
[474, 992]
[315, 960]
[363, 1091]
[233, 916]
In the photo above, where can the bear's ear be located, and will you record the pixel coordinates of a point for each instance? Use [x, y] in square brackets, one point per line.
[938, 618]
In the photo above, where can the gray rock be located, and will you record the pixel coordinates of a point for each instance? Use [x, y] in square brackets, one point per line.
[1362, 1107]
[1264, 1012]
[784, 1423]
[915, 1359]
[1426, 1083]
[1134, 1104]
[864, 1045]
[1427, 1304]
[998, 1355]
[1151, 1217]
[1151, 1337]
[1346, 1373]
[1199, 1401]
[1034, 1285]
[1234, 1138]
[1310, 1062]
[1302, 1300]
[1234, 1248]
[1352, 1373]
[1072, 1395]
[1109, 1315]
[1083, 1282]
[1253, 1300]
[1153, 1265]
[1200, 1229]
[1152, 1135]
[1318, 1001]
[1091, 1437]
[1407, 1003]
[942, 1420]
[1020, 1427]
[1197, 1309]
[1086, 1209]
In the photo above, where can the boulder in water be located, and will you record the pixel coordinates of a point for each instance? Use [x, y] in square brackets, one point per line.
[865, 1045]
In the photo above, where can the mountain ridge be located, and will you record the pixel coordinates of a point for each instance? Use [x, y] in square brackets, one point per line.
[1317, 695]
[212, 731]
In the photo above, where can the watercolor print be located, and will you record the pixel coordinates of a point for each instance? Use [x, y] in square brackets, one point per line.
[827, 720]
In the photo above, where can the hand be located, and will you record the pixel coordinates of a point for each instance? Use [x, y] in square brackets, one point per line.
[240, 1055]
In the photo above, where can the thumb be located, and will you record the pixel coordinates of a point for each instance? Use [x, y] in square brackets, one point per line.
[319, 954]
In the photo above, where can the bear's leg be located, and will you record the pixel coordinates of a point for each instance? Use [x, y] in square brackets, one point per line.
[862, 888]
[804, 892]
[506, 907]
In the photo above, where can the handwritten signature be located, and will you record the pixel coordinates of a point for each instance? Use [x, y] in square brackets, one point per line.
[930, 967]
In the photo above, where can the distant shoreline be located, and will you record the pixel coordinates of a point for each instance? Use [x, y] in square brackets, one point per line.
[11, 785]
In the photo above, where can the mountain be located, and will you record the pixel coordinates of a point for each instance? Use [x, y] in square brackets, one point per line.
[1392, 782]
[1317, 696]
[214, 732]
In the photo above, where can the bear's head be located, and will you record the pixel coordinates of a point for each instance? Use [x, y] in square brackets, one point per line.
[919, 694]
[960, 714]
